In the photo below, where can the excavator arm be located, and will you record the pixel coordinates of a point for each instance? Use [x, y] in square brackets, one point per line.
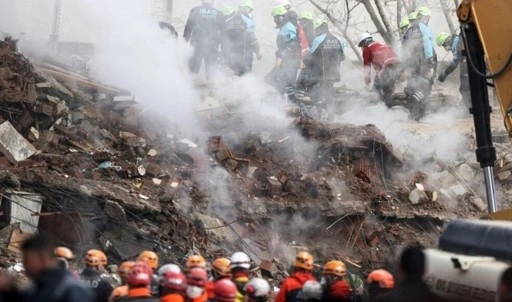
[486, 28]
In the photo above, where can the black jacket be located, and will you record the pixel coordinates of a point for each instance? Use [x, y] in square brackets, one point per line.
[326, 53]
[409, 290]
[137, 299]
[53, 285]
[204, 26]
[101, 287]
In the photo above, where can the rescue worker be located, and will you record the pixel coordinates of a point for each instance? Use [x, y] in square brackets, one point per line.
[291, 286]
[220, 270]
[91, 275]
[151, 259]
[324, 58]
[228, 11]
[203, 31]
[139, 284]
[311, 292]
[195, 261]
[306, 20]
[50, 282]
[164, 269]
[64, 256]
[283, 75]
[173, 286]
[380, 282]
[256, 290]
[404, 24]
[123, 271]
[420, 62]
[335, 287]
[454, 44]
[196, 283]
[225, 291]
[411, 286]
[240, 43]
[304, 81]
[505, 286]
[386, 64]
[239, 266]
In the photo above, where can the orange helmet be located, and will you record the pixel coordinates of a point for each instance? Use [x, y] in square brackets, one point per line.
[382, 277]
[335, 267]
[92, 260]
[195, 261]
[100, 255]
[124, 269]
[151, 258]
[304, 260]
[64, 252]
[221, 266]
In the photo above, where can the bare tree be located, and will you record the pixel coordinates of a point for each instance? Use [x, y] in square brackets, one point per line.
[340, 22]
[385, 21]
[447, 16]
[386, 35]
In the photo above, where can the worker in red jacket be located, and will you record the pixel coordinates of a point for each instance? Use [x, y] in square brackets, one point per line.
[291, 286]
[386, 65]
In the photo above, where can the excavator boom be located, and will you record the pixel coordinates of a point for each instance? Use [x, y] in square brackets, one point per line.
[486, 26]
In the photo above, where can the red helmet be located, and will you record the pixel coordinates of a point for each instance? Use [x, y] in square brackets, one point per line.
[225, 291]
[140, 275]
[197, 276]
[174, 280]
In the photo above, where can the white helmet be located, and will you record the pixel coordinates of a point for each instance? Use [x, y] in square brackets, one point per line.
[257, 287]
[168, 268]
[312, 290]
[363, 37]
[240, 259]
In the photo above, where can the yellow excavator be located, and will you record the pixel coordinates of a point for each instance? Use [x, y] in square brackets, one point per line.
[472, 254]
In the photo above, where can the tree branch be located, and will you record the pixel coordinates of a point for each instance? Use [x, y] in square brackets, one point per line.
[378, 24]
[385, 21]
[447, 15]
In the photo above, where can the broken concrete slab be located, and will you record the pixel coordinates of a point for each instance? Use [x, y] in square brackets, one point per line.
[458, 190]
[13, 145]
[478, 203]
[115, 212]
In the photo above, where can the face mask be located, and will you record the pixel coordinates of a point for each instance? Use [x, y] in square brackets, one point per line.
[194, 292]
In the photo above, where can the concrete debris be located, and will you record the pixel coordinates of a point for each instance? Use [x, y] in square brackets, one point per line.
[478, 203]
[14, 146]
[98, 169]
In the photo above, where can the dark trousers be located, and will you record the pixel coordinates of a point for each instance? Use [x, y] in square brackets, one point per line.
[208, 53]
[385, 82]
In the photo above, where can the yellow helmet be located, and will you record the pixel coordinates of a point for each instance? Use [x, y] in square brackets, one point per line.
[335, 267]
[442, 37]
[221, 266]
[306, 15]
[319, 22]
[404, 22]
[247, 3]
[196, 261]
[413, 16]
[424, 11]
[228, 10]
[279, 10]
[304, 260]
[151, 258]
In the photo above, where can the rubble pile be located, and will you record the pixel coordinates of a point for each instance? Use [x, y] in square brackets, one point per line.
[80, 164]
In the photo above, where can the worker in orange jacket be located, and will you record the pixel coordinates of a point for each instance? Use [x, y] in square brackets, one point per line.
[292, 285]
[197, 278]
[220, 270]
[123, 271]
[336, 289]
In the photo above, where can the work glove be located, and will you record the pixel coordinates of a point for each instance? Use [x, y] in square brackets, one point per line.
[258, 56]
[442, 77]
